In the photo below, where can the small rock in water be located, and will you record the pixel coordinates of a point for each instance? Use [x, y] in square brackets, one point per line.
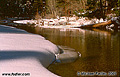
[68, 55]
[79, 54]
[58, 61]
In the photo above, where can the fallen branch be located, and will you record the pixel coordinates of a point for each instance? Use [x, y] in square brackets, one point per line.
[103, 24]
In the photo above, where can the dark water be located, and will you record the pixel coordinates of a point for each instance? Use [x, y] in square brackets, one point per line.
[99, 49]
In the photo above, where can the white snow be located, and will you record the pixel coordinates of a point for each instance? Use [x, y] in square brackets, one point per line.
[22, 52]
[26, 21]
[62, 22]
[63, 19]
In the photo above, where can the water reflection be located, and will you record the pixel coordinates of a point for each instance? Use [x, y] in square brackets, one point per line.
[99, 50]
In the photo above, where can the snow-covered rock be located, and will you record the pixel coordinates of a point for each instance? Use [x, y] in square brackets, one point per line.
[63, 19]
[23, 52]
[26, 21]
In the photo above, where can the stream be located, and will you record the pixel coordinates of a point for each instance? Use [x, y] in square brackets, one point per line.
[99, 49]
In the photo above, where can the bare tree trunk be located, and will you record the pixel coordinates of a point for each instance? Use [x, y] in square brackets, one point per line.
[83, 4]
[52, 7]
[65, 9]
[98, 25]
[103, 24]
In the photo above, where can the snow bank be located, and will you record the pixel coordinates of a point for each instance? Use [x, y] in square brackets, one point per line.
[73, 21]
[26, 21]
[22, 52]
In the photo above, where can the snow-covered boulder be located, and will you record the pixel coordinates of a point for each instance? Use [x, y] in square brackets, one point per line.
[23, 52]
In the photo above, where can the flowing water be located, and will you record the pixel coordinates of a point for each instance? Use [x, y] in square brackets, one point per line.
[99, 49]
